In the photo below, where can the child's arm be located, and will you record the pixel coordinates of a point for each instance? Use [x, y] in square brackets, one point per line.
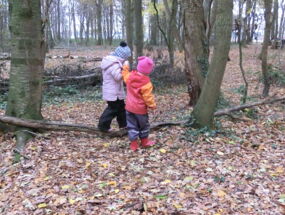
[148, 96]
[126, 72]
[116, 73]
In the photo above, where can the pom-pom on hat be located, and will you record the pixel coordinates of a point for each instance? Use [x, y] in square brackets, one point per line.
[145, 65]
[122, 51]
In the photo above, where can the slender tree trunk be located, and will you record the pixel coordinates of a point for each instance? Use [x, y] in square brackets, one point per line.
[27, 64]
[74, 21]
[138, 28]
[58, 21]
[281, 29]
[81, 27]
[87, 32]
[244, 97]
[153, 30]
[274, 25]
[203, 112]
[195, 48]
[248, 20]
[111, 23]
[129, 14]
[207, 4]
[253, 25]
[99, 22]
[171, 28]
[264, 52]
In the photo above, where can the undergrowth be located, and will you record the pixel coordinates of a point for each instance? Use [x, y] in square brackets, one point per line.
[57, 95]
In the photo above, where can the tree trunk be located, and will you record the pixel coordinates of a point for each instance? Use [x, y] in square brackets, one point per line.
[81, 28]
[111, 23]
[138, 28]
[99, 22]
[129, 26]
[207, 5]
[87, 32]
[264, 52]
[153, 30]
[253, 25]
[74, 21]
[27, 64]
[274, 25]
[249, 6]
[244, 97]
[281, 29]
[195, 48]
[58, 21]
[203, 112]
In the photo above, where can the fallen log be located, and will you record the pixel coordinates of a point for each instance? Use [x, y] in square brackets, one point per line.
[94, 77]
[5, 56]
[90, 78]
[73, 57]
[249, 105]
[60, 126]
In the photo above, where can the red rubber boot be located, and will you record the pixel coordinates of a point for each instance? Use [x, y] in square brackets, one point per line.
[146, 142]
[134, 145]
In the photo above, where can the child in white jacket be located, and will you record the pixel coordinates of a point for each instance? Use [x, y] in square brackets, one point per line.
[113, 88]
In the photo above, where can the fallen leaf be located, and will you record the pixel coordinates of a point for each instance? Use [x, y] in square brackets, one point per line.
[221, 193]
[42, 205]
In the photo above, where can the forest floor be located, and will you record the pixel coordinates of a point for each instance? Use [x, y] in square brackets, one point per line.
[237, 169]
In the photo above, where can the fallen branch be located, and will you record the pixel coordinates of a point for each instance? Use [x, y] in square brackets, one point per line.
[94, 77]
[60, 126]
[249, 105]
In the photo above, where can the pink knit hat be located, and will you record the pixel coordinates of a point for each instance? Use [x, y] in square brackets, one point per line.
[145, 65]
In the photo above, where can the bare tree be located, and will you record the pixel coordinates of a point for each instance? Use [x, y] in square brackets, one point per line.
[203, 112]
[129, 14]
[264, 52]
[99, 21]
[274, 25]
[139, 41]
[27, 64]
[195, 48]
[282, 21]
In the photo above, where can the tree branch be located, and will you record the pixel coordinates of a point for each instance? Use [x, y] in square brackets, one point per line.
[158, 23]
[60, 126]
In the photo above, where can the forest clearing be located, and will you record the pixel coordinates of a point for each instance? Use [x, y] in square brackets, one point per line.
[236, 169]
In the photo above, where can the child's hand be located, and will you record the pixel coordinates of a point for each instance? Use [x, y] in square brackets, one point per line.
[126, 63]
[152, 108]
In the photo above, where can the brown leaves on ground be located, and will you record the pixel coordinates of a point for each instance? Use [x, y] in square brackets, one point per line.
[76, 173]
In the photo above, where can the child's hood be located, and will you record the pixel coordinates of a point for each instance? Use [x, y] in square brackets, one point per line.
[137, 80]
[110, 60]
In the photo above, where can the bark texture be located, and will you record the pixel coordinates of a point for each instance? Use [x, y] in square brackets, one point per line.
[264, 51]
[138, 28]
[27, 64]
[195, 47]
[203, 112]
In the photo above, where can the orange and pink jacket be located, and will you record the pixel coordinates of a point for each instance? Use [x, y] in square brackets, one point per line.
[139, 91]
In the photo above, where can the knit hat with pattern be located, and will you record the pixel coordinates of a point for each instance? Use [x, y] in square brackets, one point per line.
[122, 51]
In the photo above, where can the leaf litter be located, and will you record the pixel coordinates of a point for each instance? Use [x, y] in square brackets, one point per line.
[78, 173]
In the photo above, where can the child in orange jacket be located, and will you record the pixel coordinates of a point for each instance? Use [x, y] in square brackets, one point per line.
[139, 100]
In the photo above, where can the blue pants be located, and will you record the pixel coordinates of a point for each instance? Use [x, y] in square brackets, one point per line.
[137, 125]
